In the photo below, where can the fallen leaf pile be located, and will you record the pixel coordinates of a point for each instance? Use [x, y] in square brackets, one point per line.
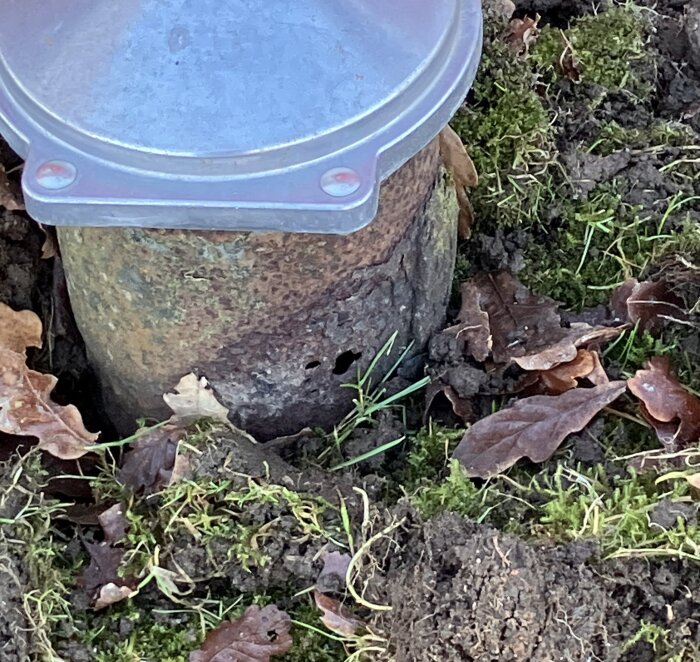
[26, 407]
[501, 320]
[502, 326]
[255, 636]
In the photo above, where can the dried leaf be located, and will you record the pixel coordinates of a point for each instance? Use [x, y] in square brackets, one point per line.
[533, 428]
[565, 349]
[474, 327]
[26, 409]
[335, 616]
[517, 319]
[152, 461]
[254, 637]
[500, 317]
[522, 34]
[113, 523]
[194, 399]
[101, 580]
[562, 378]
[331, 579]
[110, 594]
[569, 64]
[673, 411]
[647, 304]
[19, 329]
[694, 480]
[461, 167]
[456, 159]
[8, 198]
[49, 248]
[461, 407]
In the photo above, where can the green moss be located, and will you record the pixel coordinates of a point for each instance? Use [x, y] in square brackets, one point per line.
[507, 131]
[606, 47]
[146, 640]
[311, 644]
[41, 553]
[615, 510]
[600, 242]
[661, 133]
[456, 494]
[428, 456]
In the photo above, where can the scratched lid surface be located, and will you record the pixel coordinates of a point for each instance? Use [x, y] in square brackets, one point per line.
[244, 114]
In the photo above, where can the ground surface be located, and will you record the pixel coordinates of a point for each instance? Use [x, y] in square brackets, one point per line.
[584, 184]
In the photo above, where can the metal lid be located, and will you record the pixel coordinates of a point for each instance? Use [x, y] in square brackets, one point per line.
[270, 115]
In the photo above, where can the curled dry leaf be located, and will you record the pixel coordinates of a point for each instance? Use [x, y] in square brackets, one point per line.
[533, 428]
[100, 580]
[49, 248]
[673, 411]
[563, 377]
[461, 407]
[113, 523]
[566, 348]
[474, 326]
[331, 579]
[335, 617]
[194, 399]
[648, 304]
[26, 408]
[19, 329]
[501, 318]
[9, 199]
[522, 34]
[152, 462]
[461, 167]
[254, 637]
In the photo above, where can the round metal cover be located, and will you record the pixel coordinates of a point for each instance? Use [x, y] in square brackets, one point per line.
[244, 114]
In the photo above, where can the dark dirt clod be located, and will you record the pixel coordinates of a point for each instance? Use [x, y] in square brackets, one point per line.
[462, 591]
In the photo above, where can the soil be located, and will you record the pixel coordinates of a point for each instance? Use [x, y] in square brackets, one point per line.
[458, 589]
[463, 591]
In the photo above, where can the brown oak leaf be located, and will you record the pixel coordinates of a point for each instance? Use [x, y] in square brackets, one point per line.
[26, 408]
[647, 304]
[532, 427]
[522, 34]
[335, 617]
[672, 411]
[194, 399]
[460, 165]
[150, 463]
[500, 317]
[254, 637]
[101, 580]
[578, 335]
[563, 377]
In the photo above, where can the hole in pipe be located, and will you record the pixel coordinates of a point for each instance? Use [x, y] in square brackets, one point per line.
[344, 361]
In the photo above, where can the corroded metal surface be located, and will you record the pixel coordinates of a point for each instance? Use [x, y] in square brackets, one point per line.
[272, 319]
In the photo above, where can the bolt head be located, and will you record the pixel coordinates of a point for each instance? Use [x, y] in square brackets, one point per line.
[340, 182]
[56, 175]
